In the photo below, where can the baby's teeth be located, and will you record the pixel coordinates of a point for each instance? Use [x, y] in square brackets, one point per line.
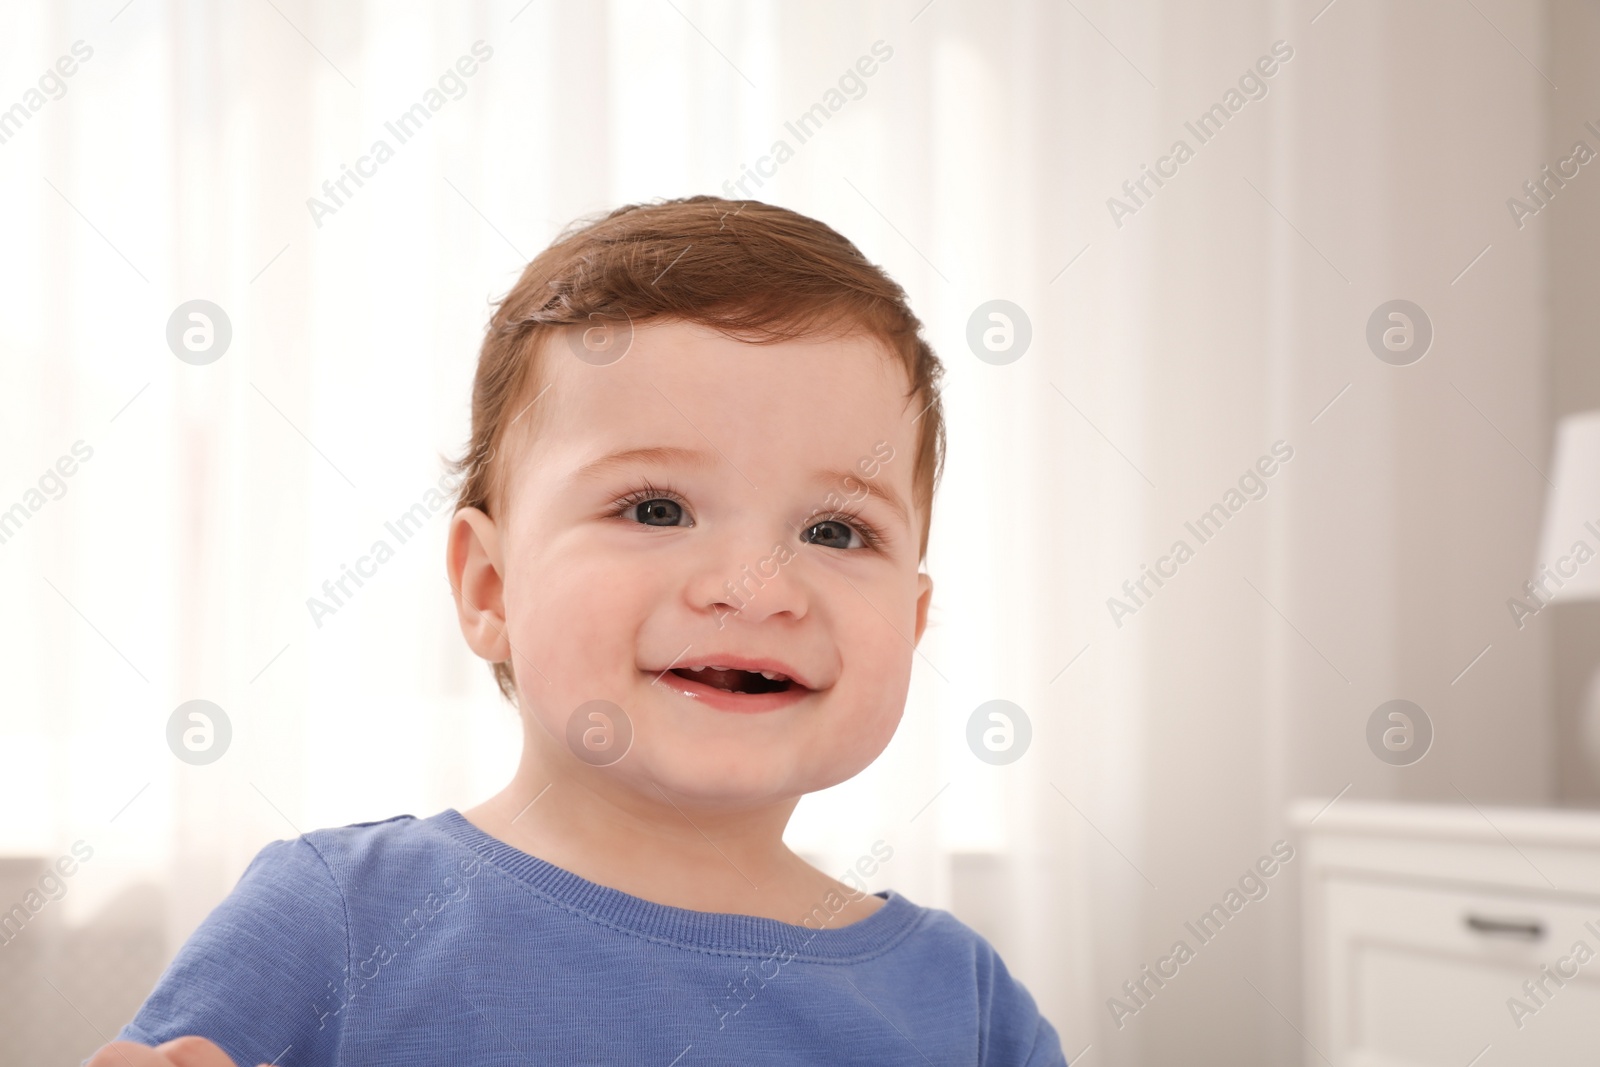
[716, 668]
[771, 676]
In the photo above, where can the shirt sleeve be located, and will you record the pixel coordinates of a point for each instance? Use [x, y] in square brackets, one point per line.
[264, 974]
[1015, 1034]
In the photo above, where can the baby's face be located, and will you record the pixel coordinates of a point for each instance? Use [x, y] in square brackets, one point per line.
[748, 537]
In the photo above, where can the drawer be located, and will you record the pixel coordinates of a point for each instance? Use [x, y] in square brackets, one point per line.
[1422, 975]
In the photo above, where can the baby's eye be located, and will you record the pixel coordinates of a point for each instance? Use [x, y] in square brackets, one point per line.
[652, 505]
[657, 511]
[831, 533]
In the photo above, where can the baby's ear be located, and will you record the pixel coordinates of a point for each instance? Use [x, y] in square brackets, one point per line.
[925, 584]
[475, 566]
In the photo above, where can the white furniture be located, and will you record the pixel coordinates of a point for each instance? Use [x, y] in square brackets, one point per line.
[1425, 926]
[1568, 567]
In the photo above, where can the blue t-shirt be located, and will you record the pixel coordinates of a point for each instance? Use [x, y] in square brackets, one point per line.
[430, 942]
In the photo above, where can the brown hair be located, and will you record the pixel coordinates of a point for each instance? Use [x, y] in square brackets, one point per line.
[753, 271]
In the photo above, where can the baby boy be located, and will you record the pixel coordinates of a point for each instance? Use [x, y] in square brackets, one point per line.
[705, 441]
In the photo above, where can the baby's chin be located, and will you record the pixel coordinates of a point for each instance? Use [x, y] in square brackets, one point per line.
[723, 782]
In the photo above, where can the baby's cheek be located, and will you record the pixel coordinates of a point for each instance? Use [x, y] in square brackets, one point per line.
[884, 652]
[866, 719]
[569, 648]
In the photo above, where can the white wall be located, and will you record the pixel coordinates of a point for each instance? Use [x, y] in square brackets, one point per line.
[1378, 565]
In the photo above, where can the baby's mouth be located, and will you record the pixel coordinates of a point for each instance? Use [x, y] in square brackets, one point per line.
[737, 681]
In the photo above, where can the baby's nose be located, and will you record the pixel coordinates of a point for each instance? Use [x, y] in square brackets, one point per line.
[750, 578]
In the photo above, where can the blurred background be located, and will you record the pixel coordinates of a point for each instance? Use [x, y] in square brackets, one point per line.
[1370, 270]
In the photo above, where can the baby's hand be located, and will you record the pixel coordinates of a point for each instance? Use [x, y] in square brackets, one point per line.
[179, 1052]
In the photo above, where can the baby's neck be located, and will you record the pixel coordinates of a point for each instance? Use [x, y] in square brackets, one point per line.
[668, 853]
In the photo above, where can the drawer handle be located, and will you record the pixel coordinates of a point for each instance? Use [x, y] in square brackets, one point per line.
[1530, 929]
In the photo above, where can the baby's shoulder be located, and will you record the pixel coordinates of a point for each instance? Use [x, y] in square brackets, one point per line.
[377, 839]
[359, 858]
[940, 938]
[958, 962]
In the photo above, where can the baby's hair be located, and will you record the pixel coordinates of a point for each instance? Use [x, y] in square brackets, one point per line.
[753, 271]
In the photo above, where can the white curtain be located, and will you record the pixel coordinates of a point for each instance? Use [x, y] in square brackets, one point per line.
[1169, 350]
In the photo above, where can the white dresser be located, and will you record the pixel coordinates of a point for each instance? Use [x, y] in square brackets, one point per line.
[1449, 936]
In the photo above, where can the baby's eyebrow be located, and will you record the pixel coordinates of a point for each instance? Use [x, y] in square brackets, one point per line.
[654, 454]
